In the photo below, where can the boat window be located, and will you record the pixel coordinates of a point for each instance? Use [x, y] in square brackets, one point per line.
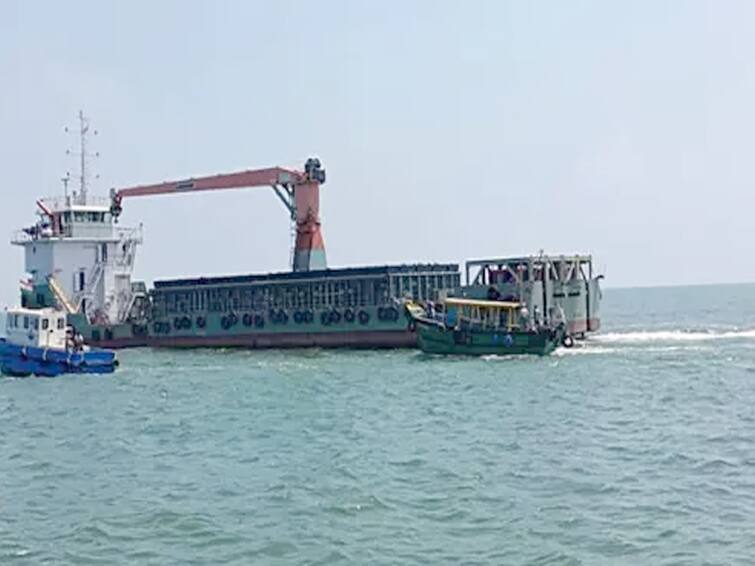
[79, 216]
[61, 323]
[26, 322]
[45, 324]
[15, 321]
[35, 323]
[67, 216]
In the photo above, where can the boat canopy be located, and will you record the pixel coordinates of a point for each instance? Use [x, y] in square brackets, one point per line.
[504, 305]
[40, 328]
[489, 314]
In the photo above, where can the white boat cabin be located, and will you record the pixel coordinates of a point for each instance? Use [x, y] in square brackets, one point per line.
[39, 328]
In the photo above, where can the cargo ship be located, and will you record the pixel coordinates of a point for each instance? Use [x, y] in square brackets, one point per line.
[78, 258]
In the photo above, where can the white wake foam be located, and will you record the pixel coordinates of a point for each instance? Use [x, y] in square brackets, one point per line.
[585, 350]
[650, 336]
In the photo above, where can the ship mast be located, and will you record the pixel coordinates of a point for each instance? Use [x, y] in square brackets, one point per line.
[65, 180]
[84, 157]
[83, 129]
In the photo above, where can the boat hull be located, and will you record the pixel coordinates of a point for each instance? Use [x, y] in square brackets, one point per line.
[438, 339]
[364, 339]
[23, 361]
[219, 330]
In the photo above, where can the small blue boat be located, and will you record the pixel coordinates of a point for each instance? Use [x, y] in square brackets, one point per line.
[40, 343]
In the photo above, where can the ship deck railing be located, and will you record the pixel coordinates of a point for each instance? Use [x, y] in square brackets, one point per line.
[58, 204]
[21, 237]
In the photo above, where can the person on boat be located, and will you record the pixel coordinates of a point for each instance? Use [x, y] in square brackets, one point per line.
[557, 316]
[537, 317]
[493, 294]
[430, 309]
[69, 339]
[524, 318]
[78, 341]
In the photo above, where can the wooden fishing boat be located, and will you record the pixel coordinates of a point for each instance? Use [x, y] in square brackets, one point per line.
[471, 327]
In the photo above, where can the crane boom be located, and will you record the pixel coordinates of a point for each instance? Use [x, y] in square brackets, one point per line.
[241, 180]
[298, 190]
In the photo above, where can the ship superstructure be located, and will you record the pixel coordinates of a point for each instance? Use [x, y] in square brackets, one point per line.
[76, 257]
[550, 285]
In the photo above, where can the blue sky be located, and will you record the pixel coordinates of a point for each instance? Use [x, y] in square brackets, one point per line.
[449, 130]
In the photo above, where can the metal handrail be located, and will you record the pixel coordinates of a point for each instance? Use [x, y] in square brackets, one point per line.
[59, 203]
[22, 237]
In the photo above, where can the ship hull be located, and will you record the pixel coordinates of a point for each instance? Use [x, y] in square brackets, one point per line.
[184, 332]
[580, 328]
[24, 361]
[437, 339]
[120, 343]
[355, 339]
[338, 308]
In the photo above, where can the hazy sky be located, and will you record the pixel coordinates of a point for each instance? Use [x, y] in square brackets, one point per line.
[449, 130]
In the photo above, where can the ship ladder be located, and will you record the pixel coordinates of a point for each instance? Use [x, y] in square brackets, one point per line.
[60, 295]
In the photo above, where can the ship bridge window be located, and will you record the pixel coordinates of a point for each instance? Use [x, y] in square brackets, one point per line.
[45, 324]
[61, 323]
[26, 322]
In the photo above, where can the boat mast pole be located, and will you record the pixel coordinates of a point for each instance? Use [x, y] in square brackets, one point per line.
[65, 180]
[83, 128]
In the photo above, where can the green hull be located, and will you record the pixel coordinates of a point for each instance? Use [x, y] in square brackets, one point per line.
[437, 339]
[372, 327]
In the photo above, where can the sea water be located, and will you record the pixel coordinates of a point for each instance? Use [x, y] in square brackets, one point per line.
[637, 447]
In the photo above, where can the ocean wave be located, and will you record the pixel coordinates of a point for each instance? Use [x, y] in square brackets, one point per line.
[584, 350]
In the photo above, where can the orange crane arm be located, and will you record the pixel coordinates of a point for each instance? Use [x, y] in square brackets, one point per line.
[270, 177]
[240, 180]
[298, 190]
